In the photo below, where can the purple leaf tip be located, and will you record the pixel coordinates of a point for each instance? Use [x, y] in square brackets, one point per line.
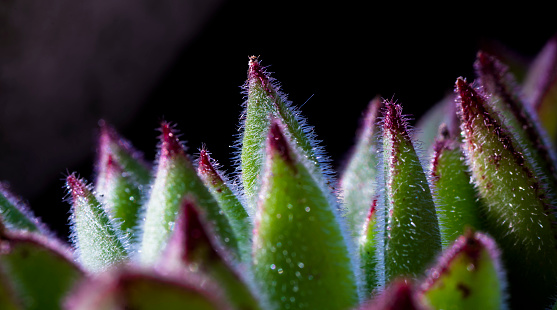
[76, 187]
[399, 295]
[205, 166]
[257, 74]
[394, 121]
[277, 142]
[190, 235]
[171, 145]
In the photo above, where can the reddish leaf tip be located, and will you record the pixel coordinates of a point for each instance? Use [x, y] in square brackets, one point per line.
[256, 74]
[399, 295]
[277, 142]
[394, 121]
[205, 166]
[77, 187]
[170, 141]
[470, 102]
[190, 235]
[471, 244]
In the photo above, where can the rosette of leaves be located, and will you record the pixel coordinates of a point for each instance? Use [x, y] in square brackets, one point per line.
[464, 220]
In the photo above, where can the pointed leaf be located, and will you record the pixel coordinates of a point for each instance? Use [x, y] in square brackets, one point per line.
[412, 238]
[16, 215]
[98, 242]
[40, 270]
[193, 246]
[400, 295]
[141, 291]
[520, 122]
[456, 198]
[264, 98]
[297, 238]
[121, 198]
[123, 153]
[217, 184]
[517, 214]
[358, 182]
[176, 178]
[468, 276]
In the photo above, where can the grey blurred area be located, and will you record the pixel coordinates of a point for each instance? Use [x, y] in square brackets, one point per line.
[64, 64]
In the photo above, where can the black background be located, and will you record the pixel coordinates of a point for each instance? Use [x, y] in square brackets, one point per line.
[332, 58]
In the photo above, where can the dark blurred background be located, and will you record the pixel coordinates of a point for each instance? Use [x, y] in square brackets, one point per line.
[66, 64]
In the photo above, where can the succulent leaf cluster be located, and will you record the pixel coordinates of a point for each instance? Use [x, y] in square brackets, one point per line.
[457, 213]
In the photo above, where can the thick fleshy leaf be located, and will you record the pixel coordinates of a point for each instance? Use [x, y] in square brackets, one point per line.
[141, 291]
[517, 118]
[264, 99]
[7, 296]
[399, 295]
[230, 204]
[358, 181]
[194, 248]
[120, 151]
[121, 197]
[457, 201]
[97, 239]
[16, 215]
[468, 275]
[411, 230]
[368, 245]
[40, 270]
[175, 179]
[540, 86]
[518, 212]
[300, 255]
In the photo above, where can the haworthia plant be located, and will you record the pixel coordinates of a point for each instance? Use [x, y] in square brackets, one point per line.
[467, 221]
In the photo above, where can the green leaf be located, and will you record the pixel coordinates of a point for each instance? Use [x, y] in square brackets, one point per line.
[411, 230]
[176, 179]
[264, 99]
[358, 181]
[98, 242]
[468, 276]
[524, 129]
[40, 270]
[121, 197]
[518, 211]
[456, 198]
[123, 153]
[368, 252]
[7, 298]
[300, 256]
[16, 215]
[217, 184]
[142, 291]
[193, 247]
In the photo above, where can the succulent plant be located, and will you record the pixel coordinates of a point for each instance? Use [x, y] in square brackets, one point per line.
[464, 219]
